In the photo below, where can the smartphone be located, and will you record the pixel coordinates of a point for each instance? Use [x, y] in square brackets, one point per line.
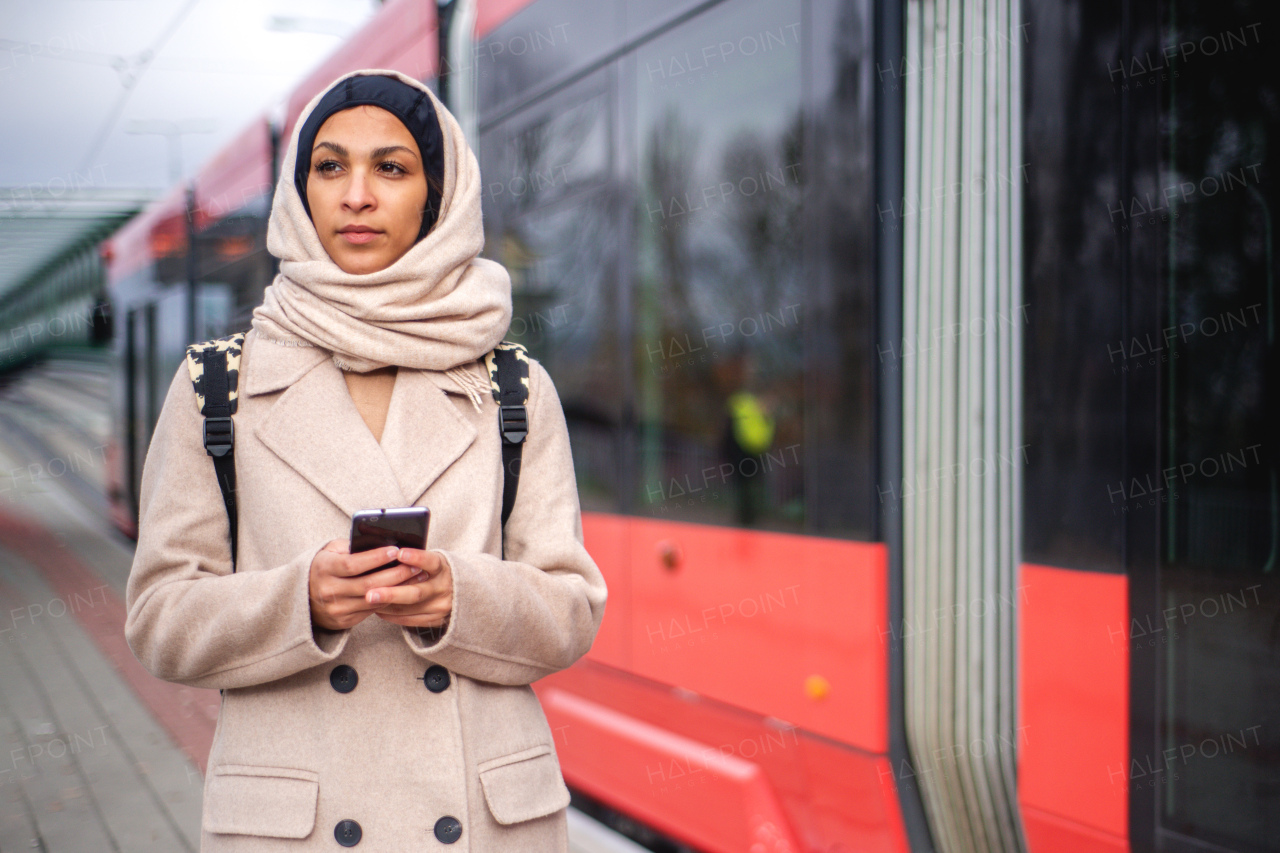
[405, 527]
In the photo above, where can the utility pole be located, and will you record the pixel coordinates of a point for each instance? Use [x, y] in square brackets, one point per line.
[173, 131]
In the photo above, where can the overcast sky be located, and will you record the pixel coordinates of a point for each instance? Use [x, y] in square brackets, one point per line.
[74, 75]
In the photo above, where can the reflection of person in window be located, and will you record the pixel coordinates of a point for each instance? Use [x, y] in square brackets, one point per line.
[749, 430]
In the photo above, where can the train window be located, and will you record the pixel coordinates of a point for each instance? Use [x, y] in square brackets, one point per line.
[546, 40]
[564, 297]
[842, 353]
[718, 350]
[234, 263]
[553, 156]
[1075, 358]
[213, 311]
[727, 346]
[1219, 486]
[550, 219]
[645, 15]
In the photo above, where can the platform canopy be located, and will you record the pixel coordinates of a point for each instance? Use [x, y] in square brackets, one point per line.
[39, 226]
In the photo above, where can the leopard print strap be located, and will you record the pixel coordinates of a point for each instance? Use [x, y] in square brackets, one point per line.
[234, 347]
[522, 365]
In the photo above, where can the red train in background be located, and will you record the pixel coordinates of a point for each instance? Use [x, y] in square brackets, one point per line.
[919, 364]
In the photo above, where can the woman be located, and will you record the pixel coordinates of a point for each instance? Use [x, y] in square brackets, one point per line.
[390, 710]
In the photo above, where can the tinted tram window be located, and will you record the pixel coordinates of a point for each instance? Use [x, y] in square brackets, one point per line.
[840, 226]
[645, 15]
[706, 309]
[1220, 423]
[546, 40]
[551, 219]
[719, 293]
[1076, 355]
[234, 267]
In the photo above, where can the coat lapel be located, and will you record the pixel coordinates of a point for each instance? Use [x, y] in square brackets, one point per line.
[316, 429]
[424, 432]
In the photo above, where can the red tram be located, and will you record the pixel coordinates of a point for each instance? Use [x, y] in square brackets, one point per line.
[896, 342]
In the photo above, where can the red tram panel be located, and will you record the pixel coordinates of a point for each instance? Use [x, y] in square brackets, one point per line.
[730, 708]
[1073, 767]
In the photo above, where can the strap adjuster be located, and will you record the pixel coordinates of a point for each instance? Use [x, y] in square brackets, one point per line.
[513, 423]
[219, 436]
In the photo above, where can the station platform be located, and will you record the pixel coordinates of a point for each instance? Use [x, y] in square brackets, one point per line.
[95, 753]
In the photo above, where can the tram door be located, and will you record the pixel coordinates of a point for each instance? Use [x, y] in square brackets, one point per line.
[142, 397]
[156, 339]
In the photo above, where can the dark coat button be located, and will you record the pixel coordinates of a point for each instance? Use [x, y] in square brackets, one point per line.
[344, 678]
[347, 832]
[436, 678]
[448, 830]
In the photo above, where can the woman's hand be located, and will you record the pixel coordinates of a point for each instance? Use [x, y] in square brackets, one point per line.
[426, 601]
[338, 597]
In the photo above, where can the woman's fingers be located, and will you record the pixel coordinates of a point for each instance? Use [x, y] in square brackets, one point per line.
[407, 593]
[429, 561]
[357, 587]
[417, 591]
[337, 591]
[363, 561]
[393, 576]
[413, 594]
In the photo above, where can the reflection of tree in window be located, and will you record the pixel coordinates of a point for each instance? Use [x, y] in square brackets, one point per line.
[765, 217]
[565, 149]
[671, 153]
[720, 349]
[561, 260]
[1221, 519]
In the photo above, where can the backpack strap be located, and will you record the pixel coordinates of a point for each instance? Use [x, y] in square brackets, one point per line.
[215, 373]
[508, 366]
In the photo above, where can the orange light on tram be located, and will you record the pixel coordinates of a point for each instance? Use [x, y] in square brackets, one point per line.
[230, 248]
[167, 243]
[817, 688]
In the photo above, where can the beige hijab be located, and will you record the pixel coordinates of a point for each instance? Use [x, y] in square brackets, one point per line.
[439, 307]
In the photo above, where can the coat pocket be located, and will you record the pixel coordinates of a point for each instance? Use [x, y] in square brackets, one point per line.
[523, 785]
[277, 802]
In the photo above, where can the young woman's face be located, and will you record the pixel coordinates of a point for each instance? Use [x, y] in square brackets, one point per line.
[367, 188]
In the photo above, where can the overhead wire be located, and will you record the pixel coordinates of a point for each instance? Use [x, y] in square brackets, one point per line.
[131, 72]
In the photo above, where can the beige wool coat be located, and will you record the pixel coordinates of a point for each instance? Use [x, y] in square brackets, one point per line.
[293, 757]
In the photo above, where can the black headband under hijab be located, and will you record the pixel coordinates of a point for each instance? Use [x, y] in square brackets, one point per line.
[410, 105]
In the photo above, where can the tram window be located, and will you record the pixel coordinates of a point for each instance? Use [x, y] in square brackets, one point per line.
[234, 265]
[552, 222]
[552, 157]
[1076, 358]
[564, 300]
[135, 431]
[1220, 539]
[841, 223]
[644, 15]
[169, 344]
[718, 350]
[213, 313]
[544, 41]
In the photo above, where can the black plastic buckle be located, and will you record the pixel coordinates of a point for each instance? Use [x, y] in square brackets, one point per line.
[219, 436]
[513, 423]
